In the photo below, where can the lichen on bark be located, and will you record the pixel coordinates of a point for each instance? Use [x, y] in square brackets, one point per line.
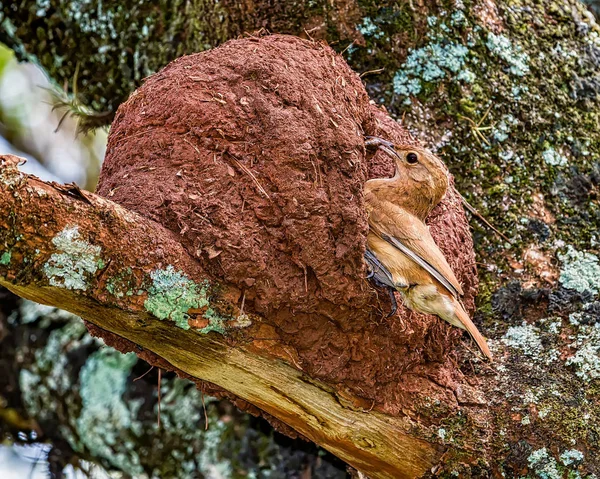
[131, 40]
[74, 261]
[519, 130]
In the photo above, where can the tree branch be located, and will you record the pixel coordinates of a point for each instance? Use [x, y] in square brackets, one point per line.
[68, 248]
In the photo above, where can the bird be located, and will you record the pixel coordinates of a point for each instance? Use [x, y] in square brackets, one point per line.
[401, 254]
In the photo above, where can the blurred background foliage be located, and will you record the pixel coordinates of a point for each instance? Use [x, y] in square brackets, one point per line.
[38, 121]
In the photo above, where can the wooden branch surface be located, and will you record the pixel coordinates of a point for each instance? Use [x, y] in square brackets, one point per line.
[77, 251]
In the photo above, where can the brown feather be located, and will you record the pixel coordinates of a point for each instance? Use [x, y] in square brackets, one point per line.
[394, 221]
[463, 317]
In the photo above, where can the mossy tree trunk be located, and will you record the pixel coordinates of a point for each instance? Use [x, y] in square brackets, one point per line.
[507, 93]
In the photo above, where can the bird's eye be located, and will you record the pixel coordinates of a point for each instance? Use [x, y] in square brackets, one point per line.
[412, 158]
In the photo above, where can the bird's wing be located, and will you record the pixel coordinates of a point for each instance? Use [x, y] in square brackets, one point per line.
[409, 235]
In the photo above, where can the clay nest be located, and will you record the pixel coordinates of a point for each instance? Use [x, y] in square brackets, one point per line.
[253, 153]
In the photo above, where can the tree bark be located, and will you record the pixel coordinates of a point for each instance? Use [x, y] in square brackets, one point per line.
[133, 40]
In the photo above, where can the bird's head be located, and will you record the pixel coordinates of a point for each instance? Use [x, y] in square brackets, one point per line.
[419, 168]
[420, 181]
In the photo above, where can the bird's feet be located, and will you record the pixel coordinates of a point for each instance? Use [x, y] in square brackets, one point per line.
[390, 291]
[377, 270]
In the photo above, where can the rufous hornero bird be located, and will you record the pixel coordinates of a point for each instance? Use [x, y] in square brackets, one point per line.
[401, 253]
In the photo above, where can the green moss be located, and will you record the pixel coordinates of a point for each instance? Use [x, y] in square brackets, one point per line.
[74, 263]
[512, 132]
[5, 258]
[172, 294]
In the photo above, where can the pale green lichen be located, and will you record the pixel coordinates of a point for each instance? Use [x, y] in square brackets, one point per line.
[369, 29]
[575, 318]
[47, 379]
[543, 465]
[216, 323]
[502, 47]
[74, 263]
[99, 418]
[572, 456]
[458, 18]
[581, 271]
[31, 311]
[211, 462]
[5, 258]
[106, 419]
[524, 338]
[112, 288]
[431, 63]
[173, 294]
[587, 357]
[553, 158]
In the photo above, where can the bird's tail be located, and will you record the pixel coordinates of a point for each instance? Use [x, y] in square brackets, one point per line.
[466, 323]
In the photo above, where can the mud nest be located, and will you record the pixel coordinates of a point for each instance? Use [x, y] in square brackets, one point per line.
[253, 153]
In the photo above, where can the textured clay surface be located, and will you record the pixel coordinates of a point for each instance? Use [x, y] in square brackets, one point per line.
[254, 154]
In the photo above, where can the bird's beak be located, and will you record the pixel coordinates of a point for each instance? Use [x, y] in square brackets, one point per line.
[387, 147]
[383, 145]
[376, 141]
[390, 151]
